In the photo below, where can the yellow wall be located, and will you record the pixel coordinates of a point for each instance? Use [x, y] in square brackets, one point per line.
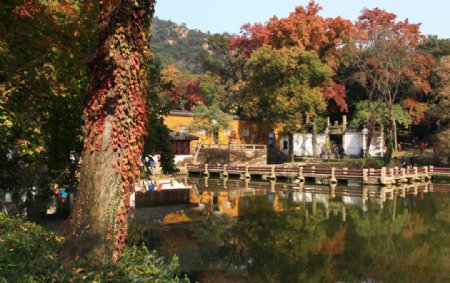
[258, 133]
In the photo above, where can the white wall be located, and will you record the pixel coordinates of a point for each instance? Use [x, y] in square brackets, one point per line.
[303, 144]
[353, 142]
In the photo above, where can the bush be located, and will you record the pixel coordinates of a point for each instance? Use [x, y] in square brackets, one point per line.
[28, 253]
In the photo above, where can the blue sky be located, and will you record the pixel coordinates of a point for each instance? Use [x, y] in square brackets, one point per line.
[229, 15]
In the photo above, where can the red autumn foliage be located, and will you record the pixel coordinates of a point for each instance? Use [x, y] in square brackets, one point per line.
[416, 110]
[26, 10]
[303, 28]
[335, 93]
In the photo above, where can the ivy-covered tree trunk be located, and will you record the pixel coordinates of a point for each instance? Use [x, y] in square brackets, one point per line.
[115, 117]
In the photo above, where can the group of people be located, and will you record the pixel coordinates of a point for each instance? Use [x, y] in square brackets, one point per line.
[409, 161]
[339, 152]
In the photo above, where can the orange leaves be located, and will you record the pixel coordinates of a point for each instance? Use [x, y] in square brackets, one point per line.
[336, 93]
[336, 244]
[27, 10]
[415, 109]
[303, 28]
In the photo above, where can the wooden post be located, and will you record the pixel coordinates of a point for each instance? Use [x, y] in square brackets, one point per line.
[333, 189]
[247, 173]
[333, 179]
[431, 169]
[391, 172]
[383, 195]
[186, 168]
[225, 181]
[425, 172]
[365, 176]
[272, 185]
[404, 175]
[383, 176]
[344, 213]
[225, 172]
[365, 194]
[301, 178]
[272, 173]
[416, 174]
[205, 171]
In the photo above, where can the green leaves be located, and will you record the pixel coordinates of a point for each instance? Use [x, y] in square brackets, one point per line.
[362, 114]
[284, 85]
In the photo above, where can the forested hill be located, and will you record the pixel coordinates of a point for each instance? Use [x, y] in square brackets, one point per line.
[176, 44]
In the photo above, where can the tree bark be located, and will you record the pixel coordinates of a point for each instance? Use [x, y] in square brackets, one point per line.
[371, 126]
[291, 147]
[115, 117]
[314, 139]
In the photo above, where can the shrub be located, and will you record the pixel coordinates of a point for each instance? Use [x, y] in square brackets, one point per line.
[28, 253]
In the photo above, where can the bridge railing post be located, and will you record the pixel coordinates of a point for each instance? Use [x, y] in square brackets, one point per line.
[272, 173]
[301, 178]
[416, 173]
[247, 173]
[365, 176]
[426, 174]
[403, 175]
[205, 170]
[225, 172]
[431, 169]
[383, 176]
[333, 179]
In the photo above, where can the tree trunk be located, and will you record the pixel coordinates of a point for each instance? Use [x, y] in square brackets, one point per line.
[371, 126]
[115, 117]
[291, 147]
[314, 139]
[393, 128]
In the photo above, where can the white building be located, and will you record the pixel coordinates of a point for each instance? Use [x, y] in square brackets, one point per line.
[352, 141]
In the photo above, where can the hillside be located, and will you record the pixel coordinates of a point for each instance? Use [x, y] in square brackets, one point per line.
[176, 44]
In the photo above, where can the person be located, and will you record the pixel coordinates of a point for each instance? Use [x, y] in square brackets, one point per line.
[361, 153]
[341, 152]
[405, 161]
[323, 153]
[413, 160]
[422, 147]
[336, 152]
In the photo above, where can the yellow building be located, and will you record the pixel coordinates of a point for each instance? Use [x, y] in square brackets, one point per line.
[244, 131]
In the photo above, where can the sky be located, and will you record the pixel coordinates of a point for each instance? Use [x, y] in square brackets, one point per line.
[217, 16]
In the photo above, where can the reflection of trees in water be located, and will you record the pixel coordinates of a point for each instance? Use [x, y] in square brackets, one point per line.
[407, 241]
[292, 246]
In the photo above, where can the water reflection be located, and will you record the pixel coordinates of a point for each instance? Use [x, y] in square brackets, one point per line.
[274, 232]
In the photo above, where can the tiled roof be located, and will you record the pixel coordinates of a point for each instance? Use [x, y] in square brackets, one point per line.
[177, 136]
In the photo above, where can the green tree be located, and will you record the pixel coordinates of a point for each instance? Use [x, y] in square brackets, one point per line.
[361, 115]
[285, 87]
[388, 64]
[211, 119]
[42, 80]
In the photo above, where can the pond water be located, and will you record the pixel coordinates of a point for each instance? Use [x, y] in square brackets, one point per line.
[237, 231]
